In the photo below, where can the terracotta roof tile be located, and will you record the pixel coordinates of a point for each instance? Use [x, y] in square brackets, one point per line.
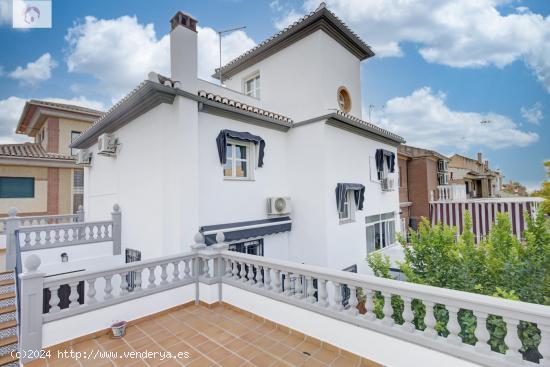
[29, 150]
[244, 106]
[370, 125]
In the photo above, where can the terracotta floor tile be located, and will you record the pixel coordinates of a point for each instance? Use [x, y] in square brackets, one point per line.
[218, 354]
[278, 349]
[201, 362]
[263, 359]
[295, 358]
[207, 347]
[232, 361]
[248, 352]
[196, 340]
[312, 362]
[342, 361]
[324, 355]
[308, 347]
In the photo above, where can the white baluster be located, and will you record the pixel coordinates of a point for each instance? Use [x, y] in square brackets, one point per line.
[235, 270]
[353, 302]
[277, 281]
[205, 268]
[481, 333]
[388, 310]
[123, 284]
[251, 280]
[267, 278]
[228, 268]
[151, 284]
[73, 296]
[408, 315]
[369, 304]
[322, 292]
[176, 272]
[453, 326]
[108, 287]
[163, 274]
[259, 277]
[430, 320]
[544, 346]
[299, 287]
[54, 300]
[47, 238]
[137, 280]
[90, 296]
[338, 306]
[512, 340]
[286, 283]
[186, 269]
[310, 290]
[56, 235]
[65, 235]
[27, 239]
[242, 273]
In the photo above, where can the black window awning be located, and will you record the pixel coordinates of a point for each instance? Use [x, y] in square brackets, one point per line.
[382, 154]
[358, 194]
[221, 142]
[244, 230]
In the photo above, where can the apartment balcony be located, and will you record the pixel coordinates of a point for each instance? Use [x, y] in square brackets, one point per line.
[261, 311]
[451, 192]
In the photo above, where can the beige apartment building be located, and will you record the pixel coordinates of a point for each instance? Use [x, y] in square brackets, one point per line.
[41, 177]
[475, 174]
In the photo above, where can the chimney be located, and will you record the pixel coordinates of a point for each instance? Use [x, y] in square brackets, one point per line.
[487, 165]
[480, 158]
[183, 51]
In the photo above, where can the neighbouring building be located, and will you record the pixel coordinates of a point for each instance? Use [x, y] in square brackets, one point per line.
[479, 180]
[41, 177]
[421, 171]
[311, 182]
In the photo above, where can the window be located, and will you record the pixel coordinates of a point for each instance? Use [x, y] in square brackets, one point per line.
[348, 215]
[252, 86]
[238, 162]
[344, 100]
[380, 231]
[16, 187]
[442, 166]
[442, 178]
[74, 136]
[254, 247]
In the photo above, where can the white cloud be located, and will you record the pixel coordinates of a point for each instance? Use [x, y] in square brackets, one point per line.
[5, 12]
[12, 107]
[457, 33]
[533, 114]
[35, 72]
[10, 110]
[424, 119]
[120, 52]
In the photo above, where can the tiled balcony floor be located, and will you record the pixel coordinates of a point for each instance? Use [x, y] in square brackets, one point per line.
[218, 336]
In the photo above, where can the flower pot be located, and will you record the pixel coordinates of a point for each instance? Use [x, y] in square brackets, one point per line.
[118, 329]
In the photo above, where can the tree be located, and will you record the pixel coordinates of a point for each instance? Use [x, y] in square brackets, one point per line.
[499, 266]
[514, 188]
[544, 191]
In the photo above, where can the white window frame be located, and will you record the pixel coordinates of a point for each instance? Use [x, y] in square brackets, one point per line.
[250, 161]
[350, 204]
[255, 92]
[386, 223]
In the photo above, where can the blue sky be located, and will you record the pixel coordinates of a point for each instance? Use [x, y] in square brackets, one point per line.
[441, 66]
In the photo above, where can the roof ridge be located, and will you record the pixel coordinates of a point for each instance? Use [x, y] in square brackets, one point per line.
[320, 8]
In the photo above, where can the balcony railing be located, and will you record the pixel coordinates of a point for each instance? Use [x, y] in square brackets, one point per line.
[449, 193]
[215, 274]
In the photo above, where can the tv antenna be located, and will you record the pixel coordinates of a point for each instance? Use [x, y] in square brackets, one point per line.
[220, 33]
[371, 108]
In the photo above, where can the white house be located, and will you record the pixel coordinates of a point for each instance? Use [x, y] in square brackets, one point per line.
[182, 155]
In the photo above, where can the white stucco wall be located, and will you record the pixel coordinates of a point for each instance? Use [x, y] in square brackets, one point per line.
[301, 81]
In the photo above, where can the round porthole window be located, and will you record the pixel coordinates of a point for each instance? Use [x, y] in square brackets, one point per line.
[344, 100]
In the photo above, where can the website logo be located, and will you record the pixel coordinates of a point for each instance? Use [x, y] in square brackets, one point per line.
[32, 14]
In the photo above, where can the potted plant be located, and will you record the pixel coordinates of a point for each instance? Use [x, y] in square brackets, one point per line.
[118, 329]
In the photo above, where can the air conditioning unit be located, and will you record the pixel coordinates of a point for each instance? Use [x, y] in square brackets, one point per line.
[387, 184]
[278, 206]
[83, 157]
[106, 144]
